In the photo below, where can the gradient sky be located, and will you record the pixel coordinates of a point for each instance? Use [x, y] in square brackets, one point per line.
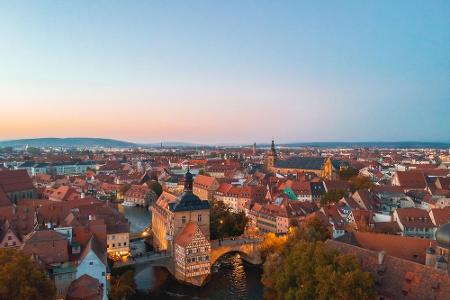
[226, 71]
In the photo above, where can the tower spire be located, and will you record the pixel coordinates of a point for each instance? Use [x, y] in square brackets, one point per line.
[188, 180]
[272, 148]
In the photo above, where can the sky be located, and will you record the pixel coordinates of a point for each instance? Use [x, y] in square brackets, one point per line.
[226, 71]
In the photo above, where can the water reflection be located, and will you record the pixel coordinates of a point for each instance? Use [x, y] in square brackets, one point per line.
[233, 279]
[139, 217]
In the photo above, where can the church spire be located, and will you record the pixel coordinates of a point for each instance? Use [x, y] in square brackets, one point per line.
[188, 180]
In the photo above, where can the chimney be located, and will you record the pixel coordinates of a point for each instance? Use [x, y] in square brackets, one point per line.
[82, 195]
[91, 217]
[381, 255]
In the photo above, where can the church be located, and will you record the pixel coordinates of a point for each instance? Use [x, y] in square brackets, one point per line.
[324, 167]
[180, 226]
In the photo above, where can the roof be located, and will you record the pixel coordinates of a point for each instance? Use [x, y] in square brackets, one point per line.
[317, 189]
[85, 288]
[297, 162]
[188, 201]
[5, 227]
[414, 217]
[398, 278]
[409, 248]
[15, 180]
[49, 245]
[64, 193]
[95, 246]
[205, 182]
[190, 231]
[440, 216]
[4, 200]
[411, 179]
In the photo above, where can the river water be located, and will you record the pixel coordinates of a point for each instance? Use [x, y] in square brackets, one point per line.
[233, 280]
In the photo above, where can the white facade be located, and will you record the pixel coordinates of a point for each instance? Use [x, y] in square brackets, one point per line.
[94, 267]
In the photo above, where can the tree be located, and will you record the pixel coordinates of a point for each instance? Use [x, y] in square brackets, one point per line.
[22, 279]
[155, 187]
[6, 149]
[272, 244]
[360, 183]
[347, 173]
[332, 196]
[122, 286]
[224, 222]
[309, 270]
[313, 230]
[33, 151]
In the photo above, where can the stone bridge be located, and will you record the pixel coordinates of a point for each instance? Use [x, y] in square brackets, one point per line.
[248, 249]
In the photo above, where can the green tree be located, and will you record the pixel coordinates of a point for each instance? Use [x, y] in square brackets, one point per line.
[347, 173]
[33, 150]
[360, 183]
[155, 187]
[225, 223]
[22, 279]
[6, 149]
[122, 286]
[309, 270]
[332, 196]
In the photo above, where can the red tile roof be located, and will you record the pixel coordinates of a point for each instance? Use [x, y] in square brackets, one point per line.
[404, 247]
[440, 216]
[49, 245]
[411, 179]
[398, 278]
[15, 180]
[85, 288]
[189, 232]
[412, 217]
[205, 182]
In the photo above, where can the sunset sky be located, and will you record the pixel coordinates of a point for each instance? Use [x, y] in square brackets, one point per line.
[226, 71]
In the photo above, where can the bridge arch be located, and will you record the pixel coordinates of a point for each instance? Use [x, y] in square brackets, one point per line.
[249, 252]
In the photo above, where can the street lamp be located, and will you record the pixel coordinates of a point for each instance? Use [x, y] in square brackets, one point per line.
[220, 232]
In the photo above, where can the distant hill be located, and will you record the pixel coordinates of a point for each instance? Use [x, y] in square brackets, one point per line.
[397, 145]
[68, 143]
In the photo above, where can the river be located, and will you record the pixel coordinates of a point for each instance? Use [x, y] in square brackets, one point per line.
[235, 279]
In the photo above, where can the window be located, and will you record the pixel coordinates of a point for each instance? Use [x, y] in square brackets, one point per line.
[120, 244]
[91, 263]
[9, 237]
[124, 243]
[199, 218]
[183, 219]
[103, 273]
[114, 245]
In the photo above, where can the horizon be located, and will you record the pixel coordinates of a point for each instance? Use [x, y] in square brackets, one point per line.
[445, 142]
[231, 72]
